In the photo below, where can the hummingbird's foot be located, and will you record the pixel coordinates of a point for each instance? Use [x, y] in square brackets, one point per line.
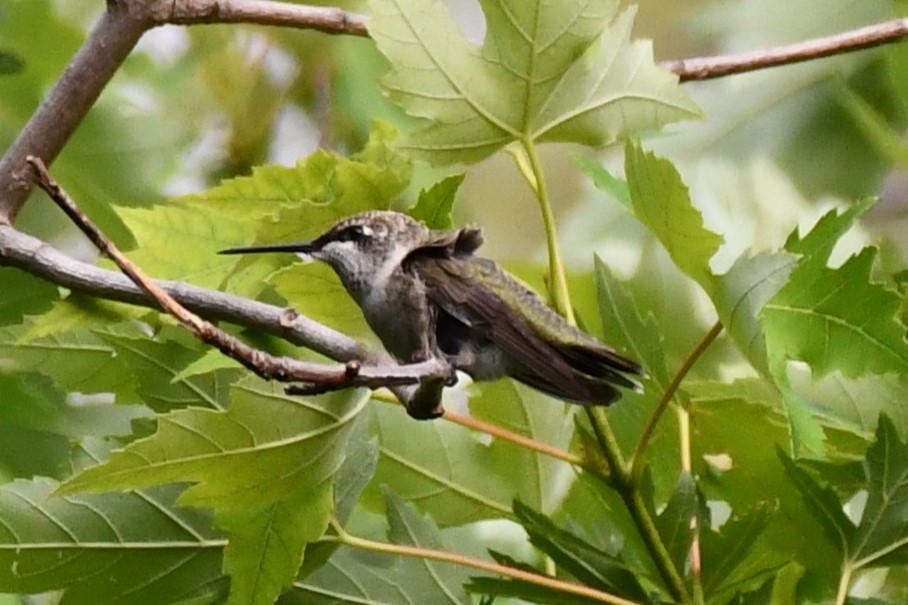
[424, 401]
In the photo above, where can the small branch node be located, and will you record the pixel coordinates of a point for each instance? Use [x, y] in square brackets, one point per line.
[352, 369]
[288, 317]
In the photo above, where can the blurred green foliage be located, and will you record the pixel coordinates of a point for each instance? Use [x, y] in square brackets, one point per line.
[758, 213]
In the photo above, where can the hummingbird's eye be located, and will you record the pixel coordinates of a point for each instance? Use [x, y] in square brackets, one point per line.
[354, 233]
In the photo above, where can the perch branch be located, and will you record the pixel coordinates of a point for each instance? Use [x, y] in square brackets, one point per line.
[705, 68]
[42, 260]
[315, 377]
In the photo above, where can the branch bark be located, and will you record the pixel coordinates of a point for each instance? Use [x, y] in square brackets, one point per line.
[42, 260]
[55, 120]
[705, 68]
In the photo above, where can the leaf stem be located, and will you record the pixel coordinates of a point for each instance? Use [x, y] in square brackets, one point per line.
[844, 584]
[559, 289]
[502, 433]
[404, 550]
[636, 463]
[516, 438]
[625, 482]
[621, 475]
[696, 561]
[633, 499]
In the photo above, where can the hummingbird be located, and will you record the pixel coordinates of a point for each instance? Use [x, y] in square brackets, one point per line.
[426, 295]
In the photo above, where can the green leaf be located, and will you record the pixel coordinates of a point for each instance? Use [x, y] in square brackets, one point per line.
[676, 522]
[10, 63]
[818, 243]
[315, 291]
[824, 504]
[267, 542]
[155, 367]
[837, 319]
[638, 335]
[295, 204]
[434, 206]
[210, 362]
[832, 319]
[735, 430]
[858, 403]
[354, 474]
[456, 478]
[597, 512]
[264, 448]
[625, 329]
[180, 242]
[740, 294]
[547, 71]
[151, 552]
[520, 589]
[356, 577]
[29, 402]
[662, 203]
[76, 361]
[606, 182]
[523, 473]
[737, 558]
[23, 294]
[78, 312]
[883, 530]
[589, 564]
[437, 464]
[407, 526]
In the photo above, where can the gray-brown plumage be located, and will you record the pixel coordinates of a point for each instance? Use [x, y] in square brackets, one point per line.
[426, 294]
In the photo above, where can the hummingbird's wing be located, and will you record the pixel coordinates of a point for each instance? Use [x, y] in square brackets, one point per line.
[452, 242]
[550, 355]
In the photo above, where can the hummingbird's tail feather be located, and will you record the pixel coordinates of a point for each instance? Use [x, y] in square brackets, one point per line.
[600, 362]
[582, 390]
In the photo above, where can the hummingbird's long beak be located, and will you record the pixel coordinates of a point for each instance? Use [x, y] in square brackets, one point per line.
[296, 247]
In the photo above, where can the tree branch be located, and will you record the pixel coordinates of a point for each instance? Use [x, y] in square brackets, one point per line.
[42, 260]
[55, 120]
[328, 20]
[107, 46]
[705, 68]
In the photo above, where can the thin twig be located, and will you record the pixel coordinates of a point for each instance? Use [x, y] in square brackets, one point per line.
[325, 19]
[516, 438]
[636, 462]
[705, 68]
[314, 376]
[405, 550]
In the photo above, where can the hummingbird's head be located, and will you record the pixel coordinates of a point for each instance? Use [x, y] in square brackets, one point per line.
[363, 249]
[366, 248]
[368, 245]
